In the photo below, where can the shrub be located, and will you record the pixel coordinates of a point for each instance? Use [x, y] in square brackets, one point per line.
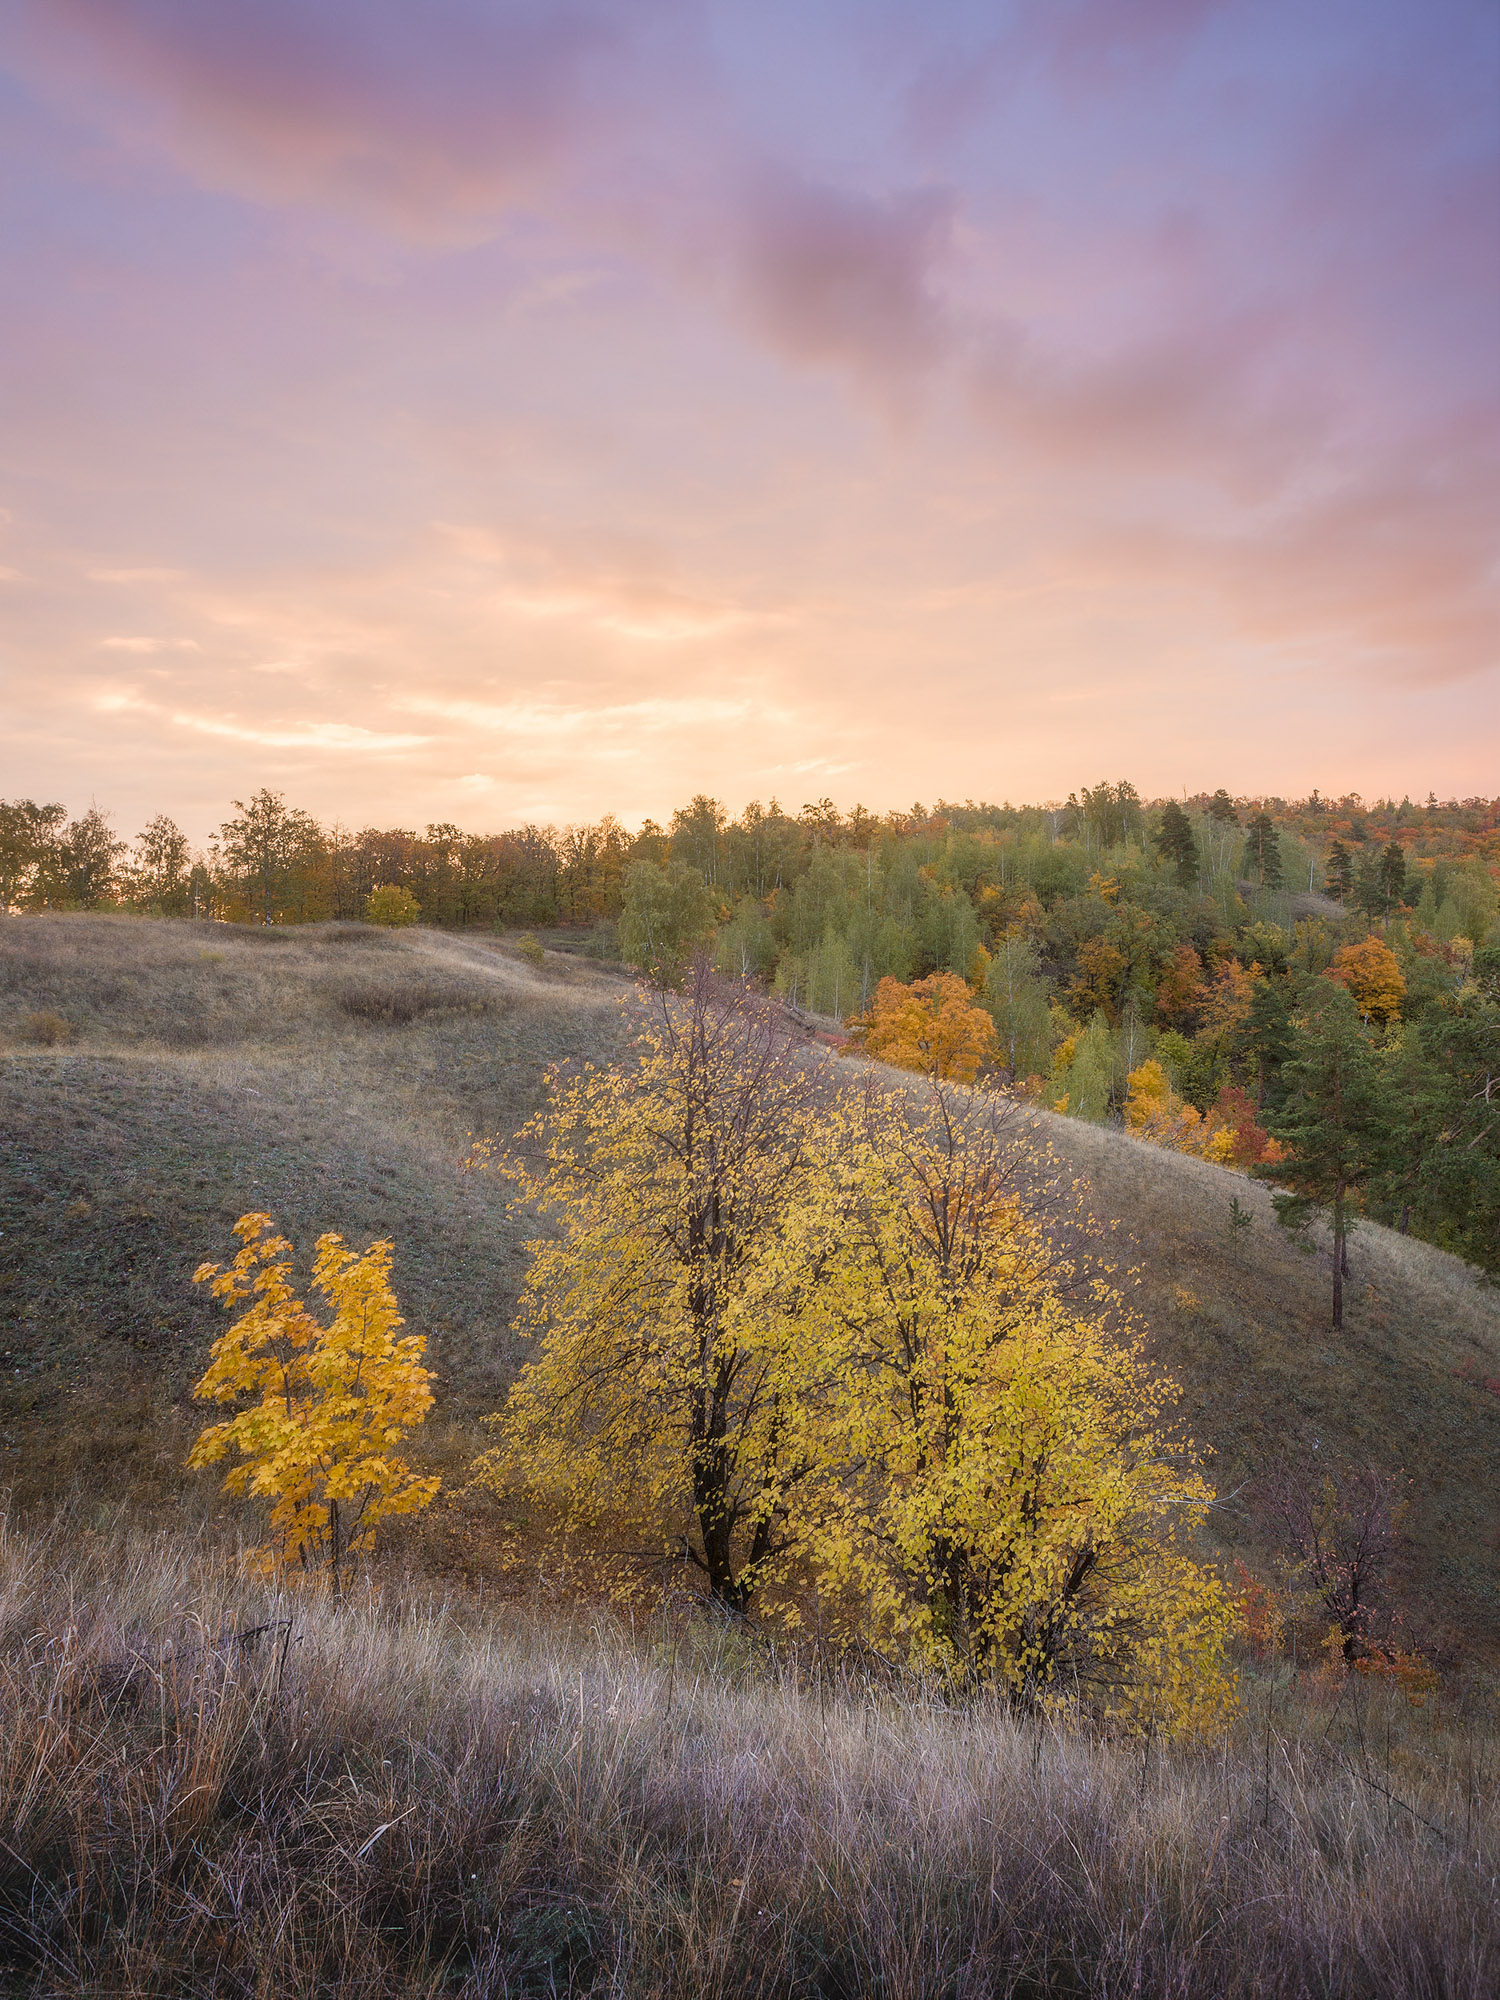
[392, 906]
[399, 1006]
[45, 1029]
[348, 934]
[530, 949]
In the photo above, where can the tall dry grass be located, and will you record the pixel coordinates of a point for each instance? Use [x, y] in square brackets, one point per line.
[210, 1788]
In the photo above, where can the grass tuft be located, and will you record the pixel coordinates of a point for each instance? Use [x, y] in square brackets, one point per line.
[44, 1030]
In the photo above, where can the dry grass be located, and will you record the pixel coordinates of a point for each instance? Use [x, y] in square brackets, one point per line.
[413, 1795]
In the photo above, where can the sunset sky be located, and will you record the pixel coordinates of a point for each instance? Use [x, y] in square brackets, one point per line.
[485, 412]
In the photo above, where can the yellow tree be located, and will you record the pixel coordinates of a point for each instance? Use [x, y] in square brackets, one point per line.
[932, 1025]
[321, 1405]
[1155, 1112]
[1010, 1502]
[660, 1390]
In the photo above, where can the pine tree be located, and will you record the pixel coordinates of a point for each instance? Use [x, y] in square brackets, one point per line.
[1221, 808]
[1369, 896]
[1268, 1036]
[1263, 851]
[1454, 1190]
[1176, 844]
[1338, 872]
[1392, 874]
[1334, 1124]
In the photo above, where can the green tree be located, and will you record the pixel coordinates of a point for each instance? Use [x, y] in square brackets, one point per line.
[159, 875]
[1269, 1038]
[668, 915]
[697, 837]
[1391, 873]
[1263, 851]
[88, 857]
[392, 906]
[1087, 1080]
[262, 845]
[1448, 1165]
[1334, 1123]
[1338, 872]
[1369, 894]
[1221, 808]
[28, 835]
[1018, 1002]
[1175, 843]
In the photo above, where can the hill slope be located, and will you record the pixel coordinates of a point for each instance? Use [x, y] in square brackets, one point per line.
[332, 1075]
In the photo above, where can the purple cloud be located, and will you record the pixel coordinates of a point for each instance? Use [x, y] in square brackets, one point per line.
[834, 275]
[449, 110]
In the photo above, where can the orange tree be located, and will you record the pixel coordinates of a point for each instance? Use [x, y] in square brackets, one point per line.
[932, 1025]
[320, 1405]
[1371, 974]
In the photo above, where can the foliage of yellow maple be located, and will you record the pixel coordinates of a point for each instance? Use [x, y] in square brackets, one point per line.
[1372, 973]
[1154, 1111]
[1004, 1498]
[812, 1338]
[659, 1393]
[931, 1025]
[330, 1400]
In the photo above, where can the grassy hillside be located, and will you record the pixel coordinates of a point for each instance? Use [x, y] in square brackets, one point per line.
[157, 1079]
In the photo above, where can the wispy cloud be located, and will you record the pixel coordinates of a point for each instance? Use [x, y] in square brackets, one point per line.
[553, 720]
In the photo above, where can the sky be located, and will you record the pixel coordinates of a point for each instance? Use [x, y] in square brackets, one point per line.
[490, 411]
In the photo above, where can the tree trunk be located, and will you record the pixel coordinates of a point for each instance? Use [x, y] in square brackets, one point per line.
[1338, 1258]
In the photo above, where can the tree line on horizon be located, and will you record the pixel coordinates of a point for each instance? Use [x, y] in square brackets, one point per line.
[1161, 965]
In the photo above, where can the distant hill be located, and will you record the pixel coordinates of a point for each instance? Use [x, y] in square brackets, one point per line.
[159, 1078]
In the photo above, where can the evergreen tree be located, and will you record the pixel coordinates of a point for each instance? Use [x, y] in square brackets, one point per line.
[1175, 843]
[1335, 1122]
[1269, 1037]
[1221, 808]
[1263, 851]
[1391, 872]
[1369, 896]
[1338, 872]
[158, 876]
[1454, 1191]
